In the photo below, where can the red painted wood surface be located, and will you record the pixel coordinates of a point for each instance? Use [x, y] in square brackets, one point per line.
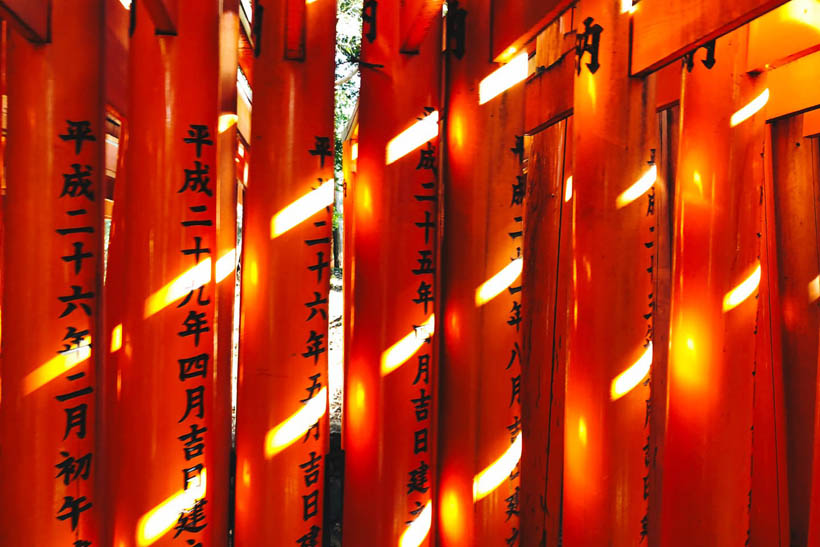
[516, 22]
[612, 297]
[794, 195]
[49, 389]
[707, 457]
[173, 87]
[480, 414]
[666, 29]
[389, 473]
[286, 279]
[545, 278]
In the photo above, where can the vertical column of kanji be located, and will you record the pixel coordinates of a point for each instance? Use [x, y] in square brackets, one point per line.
[479, 418]
[282, 429]
[161, 434]
[388, 435]
[52, 278]
[706, 490]
[607, 398]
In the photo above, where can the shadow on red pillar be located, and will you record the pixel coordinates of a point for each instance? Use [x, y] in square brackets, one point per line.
[52, 281]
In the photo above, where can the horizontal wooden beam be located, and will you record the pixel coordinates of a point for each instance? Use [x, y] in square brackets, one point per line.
[163, 15]
[664, 30]
[793, 88]
[28, 17]
[516, 22]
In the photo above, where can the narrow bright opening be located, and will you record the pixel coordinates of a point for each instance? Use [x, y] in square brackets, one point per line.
[750, 109]
[415, 533]
[116, 338]
[302, 209]
[631, 377]
[498, 471]
[504, 78]
[55, 367]
[412, 137]
[739, 294]
[568, 189]
[226, 121]
[641, 186]
[627, 7]
[299, 423]
[399, 353]
[158, 521]
[354, 151]
[814, 289]
[499, 282]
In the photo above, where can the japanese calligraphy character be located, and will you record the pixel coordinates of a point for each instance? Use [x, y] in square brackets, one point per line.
[79, 132]
[423, 369]
[189, 474]
[515, 316]
[322, 149]
[191, 367]
[422, 404]
[310, 505]
[78, 257]
[311, 539]
[425, 294]
[74, 338]
[315, 386]
[314, 346]
[76, 294]
[317, 301]
[78, 183]
[200, 300]
[427, 197]
[516, 352]
[425, 263]
[194, 442]
[76, 418]
[194, 401]
[427, 225]
[512, 504]
[516, 389]
[197, 179]
[199, 136]
[420, 441]
[71, 469]
[320, 266]
[514, 429]
[417, 481]
[197, 250]
[195, 325]
[519, 188]
[192, 521]
[513, 539]
[427, 158]
[71, 509]
[315, 429]
[311, 468]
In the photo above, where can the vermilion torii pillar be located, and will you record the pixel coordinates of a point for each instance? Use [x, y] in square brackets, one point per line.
[165, 466]
[480, 439]
[52, 282]
[389, 407]
[606, 462]
[282, 420]
[707, 457]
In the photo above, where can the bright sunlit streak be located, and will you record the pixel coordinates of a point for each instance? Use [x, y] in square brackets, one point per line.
[497, 283]
[354, 151]
[126, 4]
[302, 209]
[158, 521]
[188, 281]
[294, 427]
[568, 189]
[412, 137]
[750, 109]
[628, 7]
[414, 534]
[54, 367]
[631, 377]
[638, 189]
[739, 294]
[398, 354]
[504, 78]
[498, 471]
[116, 338]
[814, 289]
[225, 265]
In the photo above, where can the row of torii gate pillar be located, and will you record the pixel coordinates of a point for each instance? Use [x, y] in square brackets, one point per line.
[581, 273]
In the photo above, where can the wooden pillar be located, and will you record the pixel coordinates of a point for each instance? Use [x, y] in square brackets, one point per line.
[485, 182]
[52, 283]
[168, 457]
[606, 466]
[390, 363]
[707, 458]
[282, 417]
